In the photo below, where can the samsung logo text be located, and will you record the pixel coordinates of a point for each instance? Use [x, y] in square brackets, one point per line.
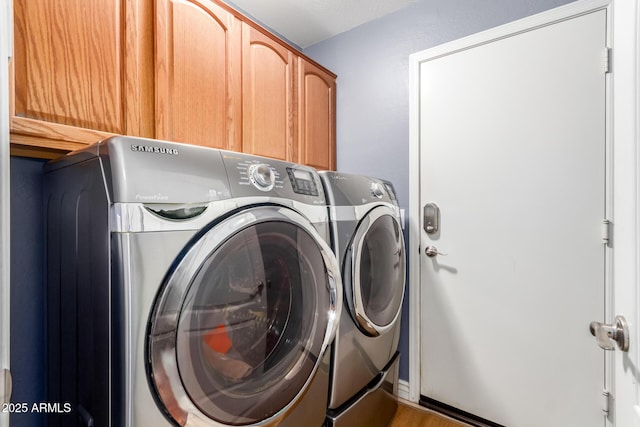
[152, 149]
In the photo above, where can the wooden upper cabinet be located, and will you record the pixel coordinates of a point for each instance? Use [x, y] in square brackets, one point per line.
[80, 71]
[198, 80]
[316, 116]
[193, 71]
[268, 121]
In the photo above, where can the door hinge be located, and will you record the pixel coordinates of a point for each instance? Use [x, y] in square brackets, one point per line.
[607, 60]
[606, 397]
[606, 231]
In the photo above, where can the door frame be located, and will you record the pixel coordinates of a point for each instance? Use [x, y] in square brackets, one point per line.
[6, 46]
[623, 186]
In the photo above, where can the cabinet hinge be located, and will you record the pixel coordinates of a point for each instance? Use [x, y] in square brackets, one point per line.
[606, 397]
[606, 231]
[607, 60]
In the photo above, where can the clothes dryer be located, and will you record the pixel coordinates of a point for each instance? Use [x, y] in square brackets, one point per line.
[368, 242]
[187, 286]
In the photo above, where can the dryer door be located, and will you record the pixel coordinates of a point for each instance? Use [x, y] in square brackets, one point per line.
[242, 320]
[376, 277]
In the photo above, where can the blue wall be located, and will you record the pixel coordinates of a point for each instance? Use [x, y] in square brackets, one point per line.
[28, 351]
[372, 64]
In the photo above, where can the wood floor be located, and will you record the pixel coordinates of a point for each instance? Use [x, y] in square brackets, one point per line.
[409, 416]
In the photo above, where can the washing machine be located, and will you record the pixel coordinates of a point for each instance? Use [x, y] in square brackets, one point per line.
[368, 242]
[187, 286]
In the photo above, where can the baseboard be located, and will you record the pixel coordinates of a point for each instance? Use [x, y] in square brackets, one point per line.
[455, 413]
[403, 390]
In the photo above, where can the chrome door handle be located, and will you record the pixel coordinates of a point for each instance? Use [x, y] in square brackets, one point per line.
[618, 332]
[432, 251]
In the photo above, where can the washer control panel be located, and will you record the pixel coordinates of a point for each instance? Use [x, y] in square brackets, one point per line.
[251, 175]
[302, 181]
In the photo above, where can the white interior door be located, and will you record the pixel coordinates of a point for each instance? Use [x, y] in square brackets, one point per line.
[513, 151]
[5, 37]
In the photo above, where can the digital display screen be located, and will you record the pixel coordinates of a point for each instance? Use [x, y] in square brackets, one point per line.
[302, 182]
[300, 174]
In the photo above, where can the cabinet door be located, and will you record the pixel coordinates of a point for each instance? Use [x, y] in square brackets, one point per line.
[198, 74]
[80, 71]
[268, 114]
[316, 116]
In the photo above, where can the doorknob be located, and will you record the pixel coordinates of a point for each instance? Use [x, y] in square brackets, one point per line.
[432, 251]
[618, 332]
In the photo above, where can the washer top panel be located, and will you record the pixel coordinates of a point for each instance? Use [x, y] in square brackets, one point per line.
[139, 170]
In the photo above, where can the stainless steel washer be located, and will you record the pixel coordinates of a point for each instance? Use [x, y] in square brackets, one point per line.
[368, 242]
[187, 286]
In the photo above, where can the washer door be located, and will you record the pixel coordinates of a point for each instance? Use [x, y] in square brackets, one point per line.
[375, 271]
[241, 322]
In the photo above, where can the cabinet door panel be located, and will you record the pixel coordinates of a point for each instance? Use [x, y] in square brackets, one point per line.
[268, 114]
[316, 114]
[68, 63]
[80, 71]
[198, 74]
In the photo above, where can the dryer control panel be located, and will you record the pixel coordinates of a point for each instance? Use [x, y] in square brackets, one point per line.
[353, 190]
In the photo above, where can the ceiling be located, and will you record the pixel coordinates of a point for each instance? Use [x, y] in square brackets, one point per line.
[306, 22]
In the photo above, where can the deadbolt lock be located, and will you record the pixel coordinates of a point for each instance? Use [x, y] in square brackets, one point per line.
[431, 218]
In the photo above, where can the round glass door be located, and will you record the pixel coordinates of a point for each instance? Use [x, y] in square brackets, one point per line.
[243, 337]
[378, 271]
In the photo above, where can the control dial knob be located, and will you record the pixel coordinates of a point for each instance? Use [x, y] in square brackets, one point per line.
[262, 177]
[377, 190]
